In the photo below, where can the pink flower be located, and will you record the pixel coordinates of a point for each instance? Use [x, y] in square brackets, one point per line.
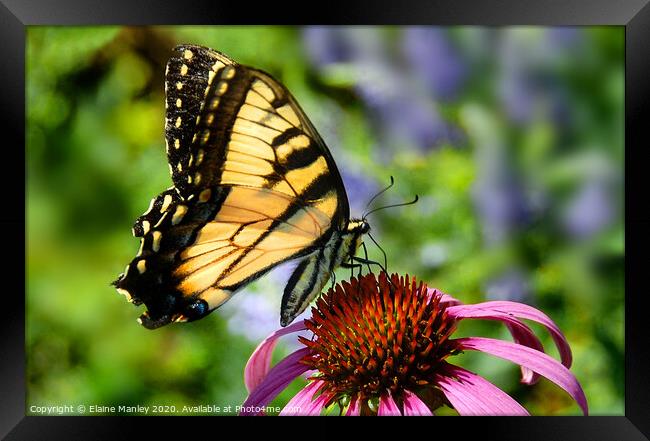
[380, 347]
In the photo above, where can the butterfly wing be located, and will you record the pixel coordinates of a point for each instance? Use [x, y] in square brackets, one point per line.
[254, 186]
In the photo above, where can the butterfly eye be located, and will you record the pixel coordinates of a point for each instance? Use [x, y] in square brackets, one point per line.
[196, 310]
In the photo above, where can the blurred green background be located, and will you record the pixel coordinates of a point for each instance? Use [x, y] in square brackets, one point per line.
[512, 137]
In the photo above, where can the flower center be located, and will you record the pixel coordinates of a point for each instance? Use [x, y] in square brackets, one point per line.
[373, 335]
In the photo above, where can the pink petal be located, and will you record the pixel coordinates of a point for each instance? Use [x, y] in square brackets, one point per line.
[414, 406]
[471, 394]
[521, 333]
[530, 358]
[303, 402]
[445, 299]
[260, 361]
[275, 382]
[387, 406]
[354, 409]
[503, 309]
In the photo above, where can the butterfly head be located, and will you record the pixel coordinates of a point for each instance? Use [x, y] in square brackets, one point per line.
[358, 226]
[356, 229]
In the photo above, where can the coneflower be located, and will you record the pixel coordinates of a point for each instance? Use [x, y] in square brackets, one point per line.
[380, 347]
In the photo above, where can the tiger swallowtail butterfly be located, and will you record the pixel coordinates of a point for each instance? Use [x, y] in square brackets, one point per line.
[254, 185]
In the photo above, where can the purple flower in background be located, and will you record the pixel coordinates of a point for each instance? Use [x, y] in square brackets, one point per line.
[402, 110]
[325, 45]
[252, 315]
[498, 196]
[530, 80]
[435, 60]
[381, 348]
[590, 211]
[512, 285]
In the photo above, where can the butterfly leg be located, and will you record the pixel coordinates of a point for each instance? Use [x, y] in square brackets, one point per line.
[365, 252]
[333, 277]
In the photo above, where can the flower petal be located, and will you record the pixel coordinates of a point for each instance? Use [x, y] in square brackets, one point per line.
[414, 406]
[277, 379]
[445, 299]
[260, 361]
[530, 358]
[354, 409]
[505, 308]
[471, 394]
[521, 333]
[302, 402]
[387, 406]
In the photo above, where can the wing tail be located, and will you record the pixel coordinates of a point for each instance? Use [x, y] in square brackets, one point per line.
[304, 285]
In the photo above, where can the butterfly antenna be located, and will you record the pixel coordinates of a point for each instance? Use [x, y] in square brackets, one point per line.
[403, 204]
[392, 181]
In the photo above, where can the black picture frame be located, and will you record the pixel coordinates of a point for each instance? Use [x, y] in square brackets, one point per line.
[15, 15]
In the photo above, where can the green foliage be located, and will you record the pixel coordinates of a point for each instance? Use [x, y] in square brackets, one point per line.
[95, 157]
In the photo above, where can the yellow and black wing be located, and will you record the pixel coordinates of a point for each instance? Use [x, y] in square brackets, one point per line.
[254, 186]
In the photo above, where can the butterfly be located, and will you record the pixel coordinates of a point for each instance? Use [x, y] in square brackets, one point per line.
[254, 185]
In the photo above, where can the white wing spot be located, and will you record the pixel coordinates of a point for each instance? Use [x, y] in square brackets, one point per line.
[228, 72]
[179, 214]
[197, 178]
[214, 103]
[222, 87]
[146, 226]
[179, 103]
[125, 293]
[166, 203]
[179, 85]
[209, 118]
[177, 143]
[184, 69]
[199, 156]
[188, 54]
[157, 235]
[178, 122]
